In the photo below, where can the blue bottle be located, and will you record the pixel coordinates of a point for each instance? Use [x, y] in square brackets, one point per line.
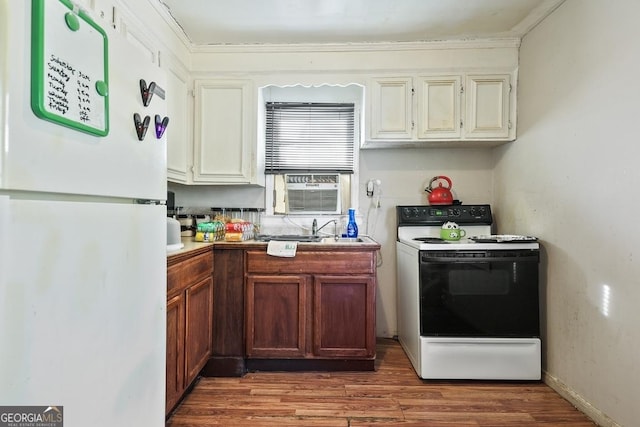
[352, 227]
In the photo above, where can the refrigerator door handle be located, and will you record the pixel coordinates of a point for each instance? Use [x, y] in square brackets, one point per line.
[149, 202]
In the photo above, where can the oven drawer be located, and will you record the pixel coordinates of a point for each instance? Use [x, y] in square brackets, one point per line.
[480, 359]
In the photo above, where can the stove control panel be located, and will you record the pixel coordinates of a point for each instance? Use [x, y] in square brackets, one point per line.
[437, 215]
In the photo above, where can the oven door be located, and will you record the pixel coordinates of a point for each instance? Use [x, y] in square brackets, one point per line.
[486, 293]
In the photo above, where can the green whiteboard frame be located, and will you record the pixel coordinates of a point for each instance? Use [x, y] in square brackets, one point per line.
[39, 64]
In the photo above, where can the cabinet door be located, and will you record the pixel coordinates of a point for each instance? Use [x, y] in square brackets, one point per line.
[439, 107]
[487, 106]
[175, 351]
[224, 140]
[390, 108]
[199, 326]
[276, 316]
[179, 151]
[344, 316]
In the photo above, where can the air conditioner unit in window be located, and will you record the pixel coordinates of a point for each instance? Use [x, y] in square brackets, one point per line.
[313, 193]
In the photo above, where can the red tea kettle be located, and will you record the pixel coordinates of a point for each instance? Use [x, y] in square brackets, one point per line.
[439, 195]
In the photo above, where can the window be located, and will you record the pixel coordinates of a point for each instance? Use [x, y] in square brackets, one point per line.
[309, 137]
[312, 129]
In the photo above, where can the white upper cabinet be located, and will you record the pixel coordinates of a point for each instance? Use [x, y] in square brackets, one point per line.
[415, 110]
[179, 142]
[224, 132]
[487, 106]
[390, 108]
[438, 114]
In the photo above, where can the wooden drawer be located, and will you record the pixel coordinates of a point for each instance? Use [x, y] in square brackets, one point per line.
[190, 271]
[338, 262]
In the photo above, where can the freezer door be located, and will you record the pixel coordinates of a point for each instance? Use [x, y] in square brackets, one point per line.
[40, 155]
[83, 310]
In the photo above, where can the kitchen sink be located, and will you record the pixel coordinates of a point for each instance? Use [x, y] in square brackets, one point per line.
[307, 238]
[288, 237]
[342, 240]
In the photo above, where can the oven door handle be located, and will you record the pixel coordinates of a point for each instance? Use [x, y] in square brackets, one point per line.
[477, 259]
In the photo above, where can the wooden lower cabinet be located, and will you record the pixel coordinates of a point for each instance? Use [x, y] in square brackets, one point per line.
[175, 351]
[276, 316]
[198, 327]
[314, 311]
[189, 325]
[344, 316]
[311, 316]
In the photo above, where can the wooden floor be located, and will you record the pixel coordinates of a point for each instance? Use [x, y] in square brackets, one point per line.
[391, 396]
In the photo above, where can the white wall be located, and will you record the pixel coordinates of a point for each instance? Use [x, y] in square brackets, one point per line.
[572, 178]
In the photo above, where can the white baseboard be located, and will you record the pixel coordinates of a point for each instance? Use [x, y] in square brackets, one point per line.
[596, 415]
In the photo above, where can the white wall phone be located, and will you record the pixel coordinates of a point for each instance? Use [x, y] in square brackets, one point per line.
[372, 186]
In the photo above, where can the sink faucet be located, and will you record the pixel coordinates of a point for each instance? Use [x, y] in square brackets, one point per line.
[315, 229]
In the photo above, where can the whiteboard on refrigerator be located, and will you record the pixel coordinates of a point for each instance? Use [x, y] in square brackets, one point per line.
[69, 67]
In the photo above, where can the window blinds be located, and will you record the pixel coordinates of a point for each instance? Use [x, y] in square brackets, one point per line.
[309, 137]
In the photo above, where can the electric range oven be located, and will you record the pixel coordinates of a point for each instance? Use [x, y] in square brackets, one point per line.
[467, 309]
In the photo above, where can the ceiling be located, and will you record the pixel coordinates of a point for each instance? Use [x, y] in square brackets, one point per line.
[241, 22]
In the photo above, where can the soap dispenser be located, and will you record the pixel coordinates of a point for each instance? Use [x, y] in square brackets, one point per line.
[352, 227]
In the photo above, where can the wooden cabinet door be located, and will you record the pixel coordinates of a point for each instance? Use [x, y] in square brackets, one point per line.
[344, 316]
[175, 351]
[199, 326]
[276, 316]
[224, 140]
[439, 107]
[391, 108]
[487, 106]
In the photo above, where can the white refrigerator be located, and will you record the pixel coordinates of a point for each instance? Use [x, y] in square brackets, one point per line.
[82, 220]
